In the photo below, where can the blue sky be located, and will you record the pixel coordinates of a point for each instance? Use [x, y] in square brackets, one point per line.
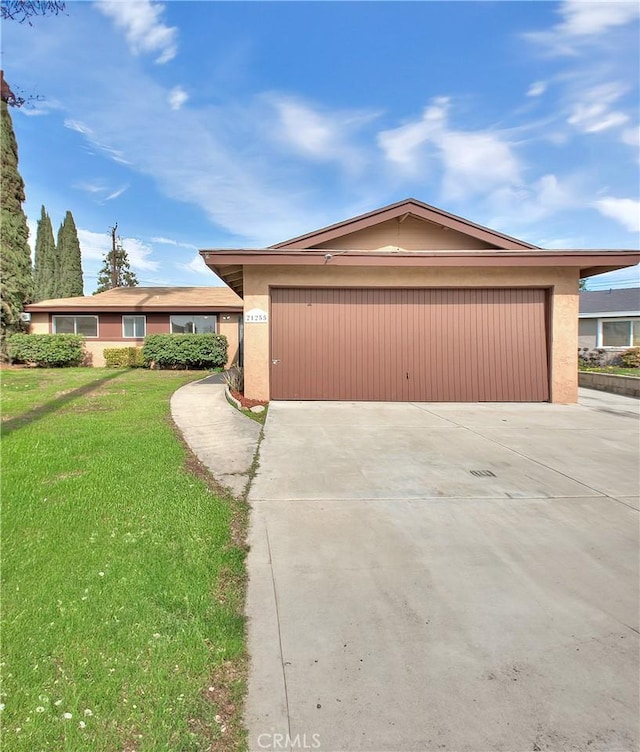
[240, 124]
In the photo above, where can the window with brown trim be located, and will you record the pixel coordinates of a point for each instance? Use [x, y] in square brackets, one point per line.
[85, 325]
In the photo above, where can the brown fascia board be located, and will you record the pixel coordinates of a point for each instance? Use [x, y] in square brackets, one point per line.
[400, 210]
[590, 261]
[96, 310]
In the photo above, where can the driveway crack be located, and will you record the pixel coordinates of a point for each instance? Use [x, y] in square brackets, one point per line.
[275, 598]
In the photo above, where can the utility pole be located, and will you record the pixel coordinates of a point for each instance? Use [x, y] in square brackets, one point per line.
[114, 268]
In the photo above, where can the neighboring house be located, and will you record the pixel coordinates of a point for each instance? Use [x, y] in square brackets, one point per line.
[124, 316]
[410, 303]
[610, 319]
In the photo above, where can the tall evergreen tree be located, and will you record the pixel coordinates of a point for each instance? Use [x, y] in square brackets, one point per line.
[45, 272]
[70, 259]
[16, 278]
[115, 271]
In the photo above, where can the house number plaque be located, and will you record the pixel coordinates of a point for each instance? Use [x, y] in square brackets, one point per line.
[256, 316]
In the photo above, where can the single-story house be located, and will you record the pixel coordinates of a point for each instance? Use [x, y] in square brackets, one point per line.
[610, 319]
[410, 303]
[124, 316]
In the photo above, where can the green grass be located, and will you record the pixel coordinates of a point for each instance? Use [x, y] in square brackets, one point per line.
[122, 571]
[612, 369]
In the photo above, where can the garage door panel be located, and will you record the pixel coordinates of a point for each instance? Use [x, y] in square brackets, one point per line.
[458, 345]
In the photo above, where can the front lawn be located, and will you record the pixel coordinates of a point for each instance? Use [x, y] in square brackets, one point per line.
[616, 370]
[122, 571]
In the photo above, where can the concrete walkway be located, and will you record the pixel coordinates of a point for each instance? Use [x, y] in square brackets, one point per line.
[223, 439]
[445, 577]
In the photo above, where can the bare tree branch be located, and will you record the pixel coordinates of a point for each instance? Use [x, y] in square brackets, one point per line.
[25, 10]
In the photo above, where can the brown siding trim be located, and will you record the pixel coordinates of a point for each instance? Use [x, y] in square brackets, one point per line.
[479, 259]
[399, 210]
[35, 307]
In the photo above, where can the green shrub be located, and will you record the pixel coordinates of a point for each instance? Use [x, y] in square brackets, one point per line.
[185, 350]
[123, 357]
[631, 358]
[47, 350]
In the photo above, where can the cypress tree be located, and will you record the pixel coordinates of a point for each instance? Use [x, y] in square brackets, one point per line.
[45, 262]
[70, 259]
[16, 278]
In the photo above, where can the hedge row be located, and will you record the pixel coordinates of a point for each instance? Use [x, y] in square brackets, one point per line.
[123, 357]
[185, 351]
[194, 351]
[47, 350]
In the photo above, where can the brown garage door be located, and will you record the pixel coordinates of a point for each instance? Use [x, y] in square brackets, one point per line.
[453, 345]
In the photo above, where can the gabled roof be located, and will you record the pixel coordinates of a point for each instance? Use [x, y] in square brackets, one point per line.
[625, 300]
[500, 250]
[152, 299]
[399, 210]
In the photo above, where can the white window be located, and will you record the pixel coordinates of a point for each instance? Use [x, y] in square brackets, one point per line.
[619, 333]
[85, 325]
[134, 326]
[193, 324]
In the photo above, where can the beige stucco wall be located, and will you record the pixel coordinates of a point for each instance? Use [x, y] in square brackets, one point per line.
[228, 325]
[413, 235]
[39, 323]
[563, 303]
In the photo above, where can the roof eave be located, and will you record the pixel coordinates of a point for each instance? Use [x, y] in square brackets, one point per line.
[36, 308]
[408, 206]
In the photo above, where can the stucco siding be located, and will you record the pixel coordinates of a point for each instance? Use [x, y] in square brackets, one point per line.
[412, 234]
[39, 323]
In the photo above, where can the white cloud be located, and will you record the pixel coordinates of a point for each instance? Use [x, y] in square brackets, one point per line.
[537, 88]
[177, 97]
[631, 136]
[319, 135]
[176, 243]
[76, 125]
[141, 21]
[89, 186]
[115, 194]
[88, 133]
[583, 23]
[626, 211]
[514, 206]
[593, 113]
[94, 245]
[403, 146]
[99, 190]
[197, 266]
[472, 161]
[588, 17]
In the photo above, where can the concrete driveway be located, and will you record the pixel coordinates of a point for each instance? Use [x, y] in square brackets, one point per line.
[445, 577]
